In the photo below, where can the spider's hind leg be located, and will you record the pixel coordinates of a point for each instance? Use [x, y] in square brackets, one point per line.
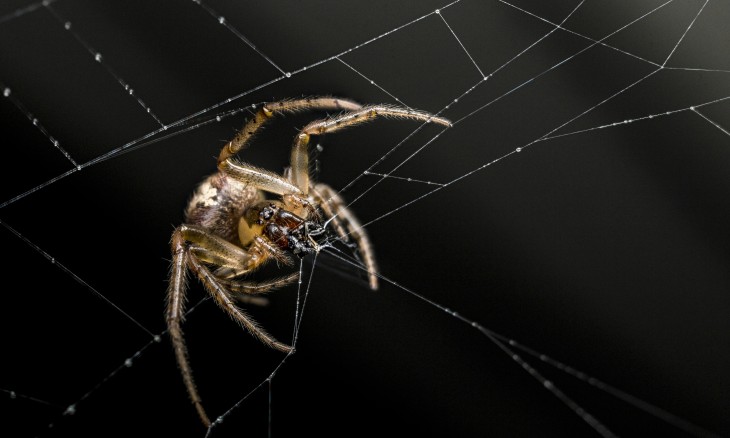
[175, 314]
[225, 301]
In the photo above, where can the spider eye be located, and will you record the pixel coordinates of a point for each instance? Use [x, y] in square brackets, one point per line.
[267, 213]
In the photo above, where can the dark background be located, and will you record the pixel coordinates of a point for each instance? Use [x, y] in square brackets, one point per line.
[607, 250]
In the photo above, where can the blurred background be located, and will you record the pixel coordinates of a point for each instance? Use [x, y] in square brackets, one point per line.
[605, 249]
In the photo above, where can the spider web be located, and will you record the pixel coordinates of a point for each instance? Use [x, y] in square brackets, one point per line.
[553, 264]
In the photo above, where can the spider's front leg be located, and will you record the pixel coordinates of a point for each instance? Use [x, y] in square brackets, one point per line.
[268, 110]
[346, 224]
[300, 155]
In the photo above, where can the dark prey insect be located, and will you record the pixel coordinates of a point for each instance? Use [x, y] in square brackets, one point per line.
[231, 228]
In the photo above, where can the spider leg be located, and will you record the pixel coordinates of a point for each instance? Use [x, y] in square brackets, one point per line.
[204, 247]
[335, 204]
[260, 178]
[175, 314]
[225, 301]
[328, 208]
[255, 288]
[300, 157]
[270, 182]
[267, 111]
[209, 248]
[191, 248]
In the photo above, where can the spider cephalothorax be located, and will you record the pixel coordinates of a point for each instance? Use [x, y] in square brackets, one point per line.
[231, 229]
[285, 229]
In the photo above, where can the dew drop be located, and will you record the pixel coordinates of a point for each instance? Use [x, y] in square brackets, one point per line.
[222, 20]
[372, 82]
[128, 363]
[55, 143]
[692, 108]
[438, 11]
[97, 57]
[518, 150]
[131, 91]
[78, 167]
[157, 338]
[70, 410]
[13, 394]
[6, 92]
[217, 118]
[35, 122]
[53, 261]
[288, 75]
[67, 25]
[548, 384]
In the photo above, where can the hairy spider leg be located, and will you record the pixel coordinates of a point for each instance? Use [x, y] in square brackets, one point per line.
[267, 111]
[300, 156]
[334, 207]
[191, 246]
[256, 288]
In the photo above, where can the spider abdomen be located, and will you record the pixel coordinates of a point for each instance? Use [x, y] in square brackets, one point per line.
[218, 203]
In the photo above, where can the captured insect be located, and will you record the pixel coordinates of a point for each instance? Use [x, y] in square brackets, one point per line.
[231, 229]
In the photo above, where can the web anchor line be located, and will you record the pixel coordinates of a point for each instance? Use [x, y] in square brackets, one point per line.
[13, 395]
[714, 123]
[78, 279]
[643, 118]
[8, 94]
[25, 10]
[222, 20]
[72, 408]
[67, 25]
[382, 175]
[373, 83]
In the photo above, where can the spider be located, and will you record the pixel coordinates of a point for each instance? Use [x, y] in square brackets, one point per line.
[231, 229]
